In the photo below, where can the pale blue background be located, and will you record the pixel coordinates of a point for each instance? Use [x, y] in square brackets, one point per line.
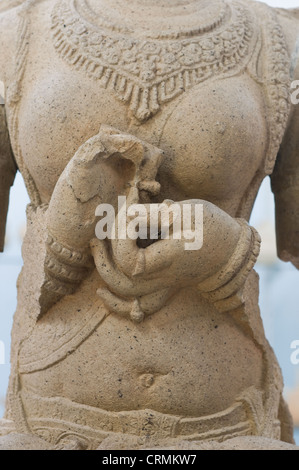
[279, 298]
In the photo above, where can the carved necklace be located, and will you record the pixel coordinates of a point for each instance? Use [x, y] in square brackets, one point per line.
[148, 72]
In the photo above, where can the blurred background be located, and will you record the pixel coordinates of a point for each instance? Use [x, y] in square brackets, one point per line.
[279, 297]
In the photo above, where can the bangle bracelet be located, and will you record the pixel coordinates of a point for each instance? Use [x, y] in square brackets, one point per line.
[79, 258]
[232, 277]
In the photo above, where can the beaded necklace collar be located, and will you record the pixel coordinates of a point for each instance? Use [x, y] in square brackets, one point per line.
[148, 72]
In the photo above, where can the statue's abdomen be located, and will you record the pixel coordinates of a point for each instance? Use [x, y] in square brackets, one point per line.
[186, 360]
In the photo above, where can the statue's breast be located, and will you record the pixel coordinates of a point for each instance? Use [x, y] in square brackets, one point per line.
[189, 94]
[214, 98]
[214, 135]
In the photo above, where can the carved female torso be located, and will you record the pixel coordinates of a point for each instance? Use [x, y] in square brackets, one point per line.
[220, 110]
[200, 92]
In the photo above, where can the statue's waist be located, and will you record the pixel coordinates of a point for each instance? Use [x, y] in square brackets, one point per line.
[61, 421]
[113, 363]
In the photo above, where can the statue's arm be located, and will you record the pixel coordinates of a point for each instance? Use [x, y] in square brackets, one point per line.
[8, 27]
[285, 178]
[295, 12]
[7, 173]
[9, 24]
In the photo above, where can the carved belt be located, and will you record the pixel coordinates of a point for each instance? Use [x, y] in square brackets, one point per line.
[61, 421]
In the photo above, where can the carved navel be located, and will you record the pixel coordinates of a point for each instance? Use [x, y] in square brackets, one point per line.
[147, 380]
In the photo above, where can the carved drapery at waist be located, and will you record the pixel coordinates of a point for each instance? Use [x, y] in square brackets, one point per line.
[61, 421]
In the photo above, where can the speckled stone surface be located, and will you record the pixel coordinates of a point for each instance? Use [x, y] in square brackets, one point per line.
[144, 343]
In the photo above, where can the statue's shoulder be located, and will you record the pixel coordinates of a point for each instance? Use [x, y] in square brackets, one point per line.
[280, 25]
[9, 25]
[13, 16]
[289, 20]
[9, 33]
[290, 13]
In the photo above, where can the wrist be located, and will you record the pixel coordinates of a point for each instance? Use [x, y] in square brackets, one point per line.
[224, 287]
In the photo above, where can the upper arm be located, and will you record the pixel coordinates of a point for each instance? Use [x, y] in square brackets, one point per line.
[9, 25]
[295, 13]
[7, 173]
[285, 178]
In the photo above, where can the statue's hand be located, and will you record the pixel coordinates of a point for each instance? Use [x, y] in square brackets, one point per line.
[199, 243]
[228, 253]
[140, 280]
[103, 168]
[106, 166]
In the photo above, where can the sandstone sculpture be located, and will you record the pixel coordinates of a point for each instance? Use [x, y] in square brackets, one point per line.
[121, 343]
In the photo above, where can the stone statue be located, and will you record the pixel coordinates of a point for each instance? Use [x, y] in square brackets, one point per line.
[130, 344]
